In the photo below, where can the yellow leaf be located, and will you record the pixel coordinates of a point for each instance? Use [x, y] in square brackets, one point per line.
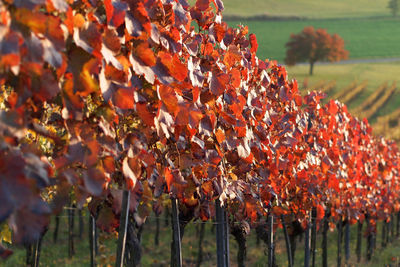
[5, 233]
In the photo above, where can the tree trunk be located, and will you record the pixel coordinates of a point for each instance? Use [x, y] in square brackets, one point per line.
[325, 241]
[347, 242]
[240, 236]
[123, 228]
[133, 252]
[313, 234]
[339, 242]
[311, 68]
[71, 219]
[359, 239]
[29, 259]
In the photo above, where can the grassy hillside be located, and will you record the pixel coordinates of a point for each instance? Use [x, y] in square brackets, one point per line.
[307, 8]
[364, 38]
[374, 73]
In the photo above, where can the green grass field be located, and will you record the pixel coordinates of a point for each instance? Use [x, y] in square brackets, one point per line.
[307, 8]
[54, 255]
[364, 38]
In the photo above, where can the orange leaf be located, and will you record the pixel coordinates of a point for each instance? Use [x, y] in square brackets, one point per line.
[169, 178]
[123, 98]
[145, 54]
[253, 43]
[175, 67]
[168, 97]
[219, 134]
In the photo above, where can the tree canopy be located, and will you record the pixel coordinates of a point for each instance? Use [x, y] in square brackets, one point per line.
[393, 5]
[312, 45]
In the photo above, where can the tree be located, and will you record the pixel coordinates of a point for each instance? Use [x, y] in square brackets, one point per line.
[393, 5]
[314, 45]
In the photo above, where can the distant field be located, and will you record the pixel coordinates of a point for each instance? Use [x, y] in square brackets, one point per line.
[364, 38]
[375, 73]
[307, 8]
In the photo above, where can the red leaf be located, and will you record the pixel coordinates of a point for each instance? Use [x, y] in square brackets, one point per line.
[145, 54]
[168, 97]
[129, 173]
[253, 43]
[144, 114]
[106, 219]
[202, 5]
[218, 83]
[320, 212]
[109, 10]
[123, 98]
[232, 57]
[219, 134]
[169, 178]
[175, 67]
[235, 77]
[94, 181]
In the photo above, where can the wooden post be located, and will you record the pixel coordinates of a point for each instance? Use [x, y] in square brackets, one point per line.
[392, 227]
[307, 244]
[359, 239]
[123, 225]
[96, 240]
[347, 242]
[339, 243]
[221, 235]
[383, 241]
[55, 234]
[92, 239]
[287, 241]
[369, 239]
[226, 238]
[200, 246]
[398, 224]
[325, 241]
[157, 234]
[37, 249]
[71, 217]
[176, 235]
[313, 234]
[270, 240]
[81, 224]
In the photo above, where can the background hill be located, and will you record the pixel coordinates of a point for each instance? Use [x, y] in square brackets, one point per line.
[307, 8]
[367, 83]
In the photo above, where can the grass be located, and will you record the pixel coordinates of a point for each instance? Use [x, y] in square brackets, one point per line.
[307, 8]
[364, 38]
[344, 74]
[57, 254]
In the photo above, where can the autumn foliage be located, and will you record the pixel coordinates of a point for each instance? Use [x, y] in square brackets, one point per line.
[102, 96]
[314, 45]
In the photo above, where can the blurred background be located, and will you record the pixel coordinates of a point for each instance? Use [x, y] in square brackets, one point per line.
[367, 81]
